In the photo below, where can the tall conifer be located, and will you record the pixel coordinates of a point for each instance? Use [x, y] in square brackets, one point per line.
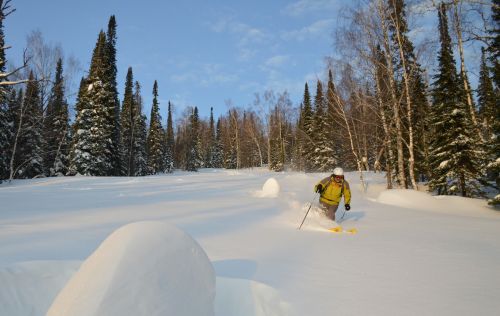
[169, 141]
[29, 155]
[454, 152]
[155, 136]
[127, 123]
[56, 128]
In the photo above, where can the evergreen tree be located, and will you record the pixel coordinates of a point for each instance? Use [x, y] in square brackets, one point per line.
[155, 137]
[209, 160]
[454, 152]
[98, 93]
[140, 135]
[307, 131]
[80, 153]
[116, 152]
[323, 154]
[56, 128]
[170, 142]
[193, 158]
[277, 154]
[127, 123]
[6, 130]
[494, 47]
[218, 157]
[486, 97]
[29, 158]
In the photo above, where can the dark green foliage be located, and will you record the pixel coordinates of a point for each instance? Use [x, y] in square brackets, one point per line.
[29, 161]
[455, 162]
[56, 128]
[127, 122]
[306, 131]
[209, 159]
[170, 142]
[140, 135]
[218, 156]
[156, 137]
[116, 152]
[194, 160]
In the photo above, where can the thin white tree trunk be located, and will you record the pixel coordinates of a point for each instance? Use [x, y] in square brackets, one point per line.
[463, 70]
[411, 161]
[395, 103]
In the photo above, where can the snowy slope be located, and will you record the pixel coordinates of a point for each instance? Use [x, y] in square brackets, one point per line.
[414, 253]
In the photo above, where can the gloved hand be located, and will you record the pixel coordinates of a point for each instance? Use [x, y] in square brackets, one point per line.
[347, 207]
[319, 188]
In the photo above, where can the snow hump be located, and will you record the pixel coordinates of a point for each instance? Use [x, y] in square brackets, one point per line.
[270, 189]
[143, 268]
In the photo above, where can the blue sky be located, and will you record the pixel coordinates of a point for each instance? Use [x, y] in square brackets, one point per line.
[201, 52]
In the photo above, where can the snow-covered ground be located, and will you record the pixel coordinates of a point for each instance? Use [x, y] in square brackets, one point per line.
[414, 254]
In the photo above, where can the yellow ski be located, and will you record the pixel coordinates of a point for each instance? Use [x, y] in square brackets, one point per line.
[339, 229]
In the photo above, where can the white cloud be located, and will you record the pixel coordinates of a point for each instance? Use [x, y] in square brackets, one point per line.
[204, 74]
[277, 60]
[318, 28]
[304, 6]
[247, 37]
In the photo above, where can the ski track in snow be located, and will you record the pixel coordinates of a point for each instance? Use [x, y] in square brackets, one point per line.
[413, 254]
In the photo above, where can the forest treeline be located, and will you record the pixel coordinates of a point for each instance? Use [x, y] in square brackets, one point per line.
[377, 109]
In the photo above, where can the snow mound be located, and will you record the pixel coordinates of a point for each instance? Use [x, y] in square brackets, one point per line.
[420, 200]
[28, 288]
[238, 297]
[270, 189]
[143, 268]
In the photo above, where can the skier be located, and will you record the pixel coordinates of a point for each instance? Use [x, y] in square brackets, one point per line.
[331, 190]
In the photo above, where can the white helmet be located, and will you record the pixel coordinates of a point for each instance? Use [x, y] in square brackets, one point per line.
[338, 172]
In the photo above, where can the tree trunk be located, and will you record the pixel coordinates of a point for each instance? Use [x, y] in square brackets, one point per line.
[395, 105]
[411, 161]
[468, 92]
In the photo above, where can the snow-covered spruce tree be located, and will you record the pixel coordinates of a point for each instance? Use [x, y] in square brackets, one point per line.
[455, 160]
[323, 154]
[333, 140]
[193, 158]
[7, 129]
[56, 128]
[486, 98]
[98, 93]
[307, 131]
[169, 142]
[209, 159]
[80, 155]
[115, 150]
[140, 135]
[9, 105]
[297, 160]
[29, 152]
[156, 137]
[489, 114]
[218, 155]
[127, 123]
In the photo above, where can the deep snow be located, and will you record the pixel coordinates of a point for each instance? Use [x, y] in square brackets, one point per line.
[413, 254]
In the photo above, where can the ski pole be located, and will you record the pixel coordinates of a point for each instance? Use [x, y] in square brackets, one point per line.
[307, 211]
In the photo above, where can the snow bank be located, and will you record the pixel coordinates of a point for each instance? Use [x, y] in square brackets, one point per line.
[420, 200]
[28, 288]
[270, 189]
[144, 268]
[238, 297]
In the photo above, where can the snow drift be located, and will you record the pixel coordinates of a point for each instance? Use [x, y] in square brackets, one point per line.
[144, 268]
[270, 189]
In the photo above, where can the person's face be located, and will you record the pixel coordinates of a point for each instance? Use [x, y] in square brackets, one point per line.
[338, 178]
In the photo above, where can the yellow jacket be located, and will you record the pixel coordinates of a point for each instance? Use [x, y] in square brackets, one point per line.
[332, 191]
